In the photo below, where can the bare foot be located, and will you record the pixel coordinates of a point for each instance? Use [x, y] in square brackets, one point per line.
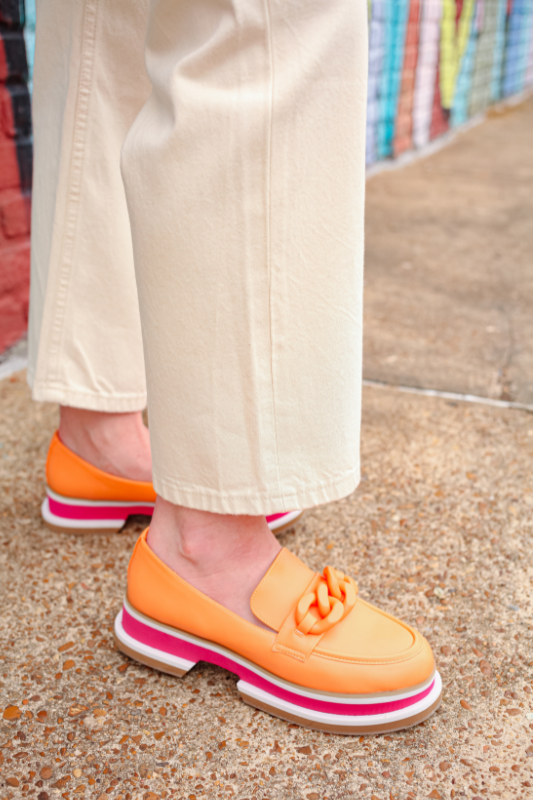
[223, 556]
[115, 443]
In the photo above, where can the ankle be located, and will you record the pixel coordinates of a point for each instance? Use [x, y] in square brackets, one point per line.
[202, 542]
[224, 556]
[117, 443]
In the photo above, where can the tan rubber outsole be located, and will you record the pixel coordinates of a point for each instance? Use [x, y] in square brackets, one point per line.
[150, 662]
[80, 531]
[346, 730]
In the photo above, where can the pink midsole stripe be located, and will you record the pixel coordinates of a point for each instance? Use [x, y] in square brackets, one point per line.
[69, 511]
[192, 652]
[275, 517]
[97, 512]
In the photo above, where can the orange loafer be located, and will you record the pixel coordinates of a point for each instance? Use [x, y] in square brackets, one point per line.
[81, 498]
[331, 661]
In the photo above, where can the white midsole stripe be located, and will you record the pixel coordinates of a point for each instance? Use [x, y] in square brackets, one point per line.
[290, 687]
[150, 652]
[343, 719]
[79, 524]
[73, 501]
[283, 705]
[286, 519]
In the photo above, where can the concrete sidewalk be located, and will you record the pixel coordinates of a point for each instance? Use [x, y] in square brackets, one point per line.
[439, 533]
[449, 265]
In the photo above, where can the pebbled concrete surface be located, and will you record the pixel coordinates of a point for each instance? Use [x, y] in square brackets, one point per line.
[439, 533]
[449, 265]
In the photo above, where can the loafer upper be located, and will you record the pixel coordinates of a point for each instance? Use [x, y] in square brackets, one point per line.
[72, 476]
[368, 651]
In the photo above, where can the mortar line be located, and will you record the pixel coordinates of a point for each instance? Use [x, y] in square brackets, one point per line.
[465, 398]
[15, 363]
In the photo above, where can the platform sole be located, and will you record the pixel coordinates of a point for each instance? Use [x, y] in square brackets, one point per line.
[73, 515]
[176, 652]
[282, 522]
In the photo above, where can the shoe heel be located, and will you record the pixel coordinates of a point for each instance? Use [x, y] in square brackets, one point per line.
[280, 523]
[67, 525]
[148, 655]
[148, 660]
[70, 515]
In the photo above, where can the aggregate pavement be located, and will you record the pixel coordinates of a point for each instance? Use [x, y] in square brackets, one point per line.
[439, 533]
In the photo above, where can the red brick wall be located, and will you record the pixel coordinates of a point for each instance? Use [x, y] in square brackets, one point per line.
[15, 176]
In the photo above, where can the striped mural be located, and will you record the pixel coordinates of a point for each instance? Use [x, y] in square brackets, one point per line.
[434, 64]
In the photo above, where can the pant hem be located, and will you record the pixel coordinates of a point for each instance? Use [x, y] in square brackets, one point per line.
[91, 401]
[256, 503]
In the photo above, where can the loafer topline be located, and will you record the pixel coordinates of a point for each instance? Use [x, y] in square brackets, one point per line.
[81, 498]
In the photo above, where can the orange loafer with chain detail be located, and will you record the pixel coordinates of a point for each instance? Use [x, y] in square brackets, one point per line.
[81, 498]
[331, 661]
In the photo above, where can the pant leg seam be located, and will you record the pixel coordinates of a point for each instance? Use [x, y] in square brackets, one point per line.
[202, 490]
[269, 227]
[115, 402]
[57, 386]
[76, 161]
[258, 503]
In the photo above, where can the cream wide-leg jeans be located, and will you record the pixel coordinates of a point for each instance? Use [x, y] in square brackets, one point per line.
[199, 196]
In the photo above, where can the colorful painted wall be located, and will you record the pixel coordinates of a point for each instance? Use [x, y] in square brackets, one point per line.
[433, 64]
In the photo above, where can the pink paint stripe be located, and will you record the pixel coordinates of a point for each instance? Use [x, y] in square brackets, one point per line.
[67, 511]
[192, 652]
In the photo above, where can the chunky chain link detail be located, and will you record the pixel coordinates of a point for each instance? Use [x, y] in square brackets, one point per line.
[334, 598]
